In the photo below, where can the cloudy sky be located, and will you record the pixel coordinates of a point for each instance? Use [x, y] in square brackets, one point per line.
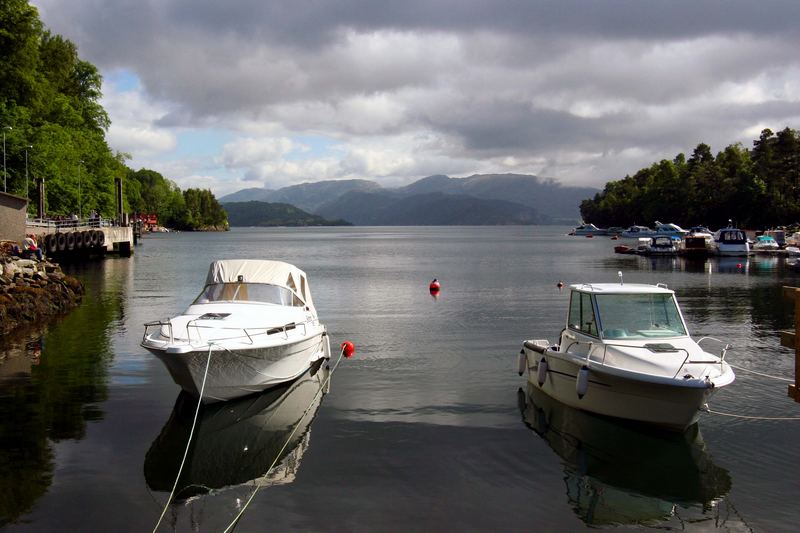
[228, 94]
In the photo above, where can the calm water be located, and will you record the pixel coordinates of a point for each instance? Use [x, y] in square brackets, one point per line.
[429, 427]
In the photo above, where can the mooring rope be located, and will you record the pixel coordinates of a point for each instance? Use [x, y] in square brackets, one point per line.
[759, 373]
[236, 519]
[189, 441]
[746, 417]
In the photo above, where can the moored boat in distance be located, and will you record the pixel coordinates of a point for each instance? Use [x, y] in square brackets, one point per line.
[634, 232]
[669, 229]
[589, 229]
[658, 245]
[698, 243]
[626, 352]
[765, 243]
[253, 326]
[731, 241]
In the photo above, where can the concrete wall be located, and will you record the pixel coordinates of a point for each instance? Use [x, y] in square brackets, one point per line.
[12, 217]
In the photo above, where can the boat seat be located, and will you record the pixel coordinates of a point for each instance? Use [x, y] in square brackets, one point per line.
[615, 333]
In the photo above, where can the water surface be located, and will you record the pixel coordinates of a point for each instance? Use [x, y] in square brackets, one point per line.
[429, 427]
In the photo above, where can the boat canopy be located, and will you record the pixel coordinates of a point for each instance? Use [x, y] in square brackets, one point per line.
[261, 271]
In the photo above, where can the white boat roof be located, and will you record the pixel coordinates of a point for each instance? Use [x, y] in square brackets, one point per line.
[616, 288]
[261, 271]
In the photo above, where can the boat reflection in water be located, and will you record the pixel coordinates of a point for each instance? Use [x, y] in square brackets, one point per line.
[620, 472]
[235, 442]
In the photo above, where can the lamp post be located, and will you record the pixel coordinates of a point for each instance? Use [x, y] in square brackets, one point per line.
[29, 147]
[5, 171]
[80, 202]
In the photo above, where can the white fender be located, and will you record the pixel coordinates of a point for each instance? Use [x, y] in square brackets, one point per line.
[582, 383]
[523, 362]
[541, 373]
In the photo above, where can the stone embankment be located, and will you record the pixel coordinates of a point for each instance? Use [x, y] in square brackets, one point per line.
[32, 291]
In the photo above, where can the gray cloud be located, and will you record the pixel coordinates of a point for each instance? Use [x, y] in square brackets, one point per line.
[485, 80]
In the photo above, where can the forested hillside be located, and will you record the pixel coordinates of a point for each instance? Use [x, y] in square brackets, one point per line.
[54, 128]
[757, 187]
[266, 214]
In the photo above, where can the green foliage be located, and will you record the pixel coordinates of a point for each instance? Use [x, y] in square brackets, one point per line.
[756, 188]
[147, 191]
[55, 129]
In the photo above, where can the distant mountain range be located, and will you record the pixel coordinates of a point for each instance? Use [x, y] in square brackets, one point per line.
[488, 199]
[274, 214]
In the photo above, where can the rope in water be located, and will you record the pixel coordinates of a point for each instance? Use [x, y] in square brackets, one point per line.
[745, 417]
[759, 373]
[189, 441]
[288, 439]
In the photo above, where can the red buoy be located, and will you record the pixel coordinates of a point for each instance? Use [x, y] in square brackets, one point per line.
[560, 284]
[435, 285]
[348, 349]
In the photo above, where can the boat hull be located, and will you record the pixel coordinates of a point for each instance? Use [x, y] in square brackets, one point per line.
[233, 373]
[670, 406]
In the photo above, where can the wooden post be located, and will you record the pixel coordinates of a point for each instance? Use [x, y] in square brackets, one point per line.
[790, 339]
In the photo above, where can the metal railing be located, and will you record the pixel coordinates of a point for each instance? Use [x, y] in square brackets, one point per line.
[673, 349]
[254, 332]
[69, 224]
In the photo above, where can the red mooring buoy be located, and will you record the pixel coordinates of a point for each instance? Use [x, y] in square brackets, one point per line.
[435, 286]
[560, 284]
[348, 349]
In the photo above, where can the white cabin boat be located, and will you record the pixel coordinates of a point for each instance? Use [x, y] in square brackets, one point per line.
[635, 232]
[731, 241]
[765, 243]
[256, 322]
[589, 229]
[659, 245]
[626, 352]
[670, 230]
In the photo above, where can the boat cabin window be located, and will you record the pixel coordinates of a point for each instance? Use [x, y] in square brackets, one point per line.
[581, 313]
[639, 316]
[733, 237]
[248, 292]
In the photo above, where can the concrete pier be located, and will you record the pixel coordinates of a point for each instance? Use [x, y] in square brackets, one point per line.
[82, 239]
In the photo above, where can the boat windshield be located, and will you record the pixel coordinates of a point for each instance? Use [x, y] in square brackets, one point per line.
[639, 316]
[248, 292]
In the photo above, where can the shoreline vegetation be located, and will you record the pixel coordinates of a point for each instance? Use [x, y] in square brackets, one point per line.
[755, 188]
[55, 129]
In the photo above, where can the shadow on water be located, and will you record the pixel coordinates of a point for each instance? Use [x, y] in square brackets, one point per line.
[52, 382]
[617, 473]
[235, 442]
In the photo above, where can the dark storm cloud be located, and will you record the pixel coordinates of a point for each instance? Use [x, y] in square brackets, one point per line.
[487, 80]
[312, 22]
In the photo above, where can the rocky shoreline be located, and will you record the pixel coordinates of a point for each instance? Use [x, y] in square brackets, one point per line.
[33, 291]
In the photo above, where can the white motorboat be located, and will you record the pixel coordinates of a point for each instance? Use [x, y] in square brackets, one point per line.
[670, 230]
[699, 242]
[731, 241]
[626, 353]
[765, 243]
[589, 229]
[659, 245]
[256, 322]
[635, 232]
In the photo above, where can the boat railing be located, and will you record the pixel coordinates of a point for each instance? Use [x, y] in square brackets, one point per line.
[651, 348]
[247, 333]
[723, 351]
[159, 323]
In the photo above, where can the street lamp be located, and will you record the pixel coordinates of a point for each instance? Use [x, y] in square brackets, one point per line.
[29, 147]
[80, 202]
[5, 172]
